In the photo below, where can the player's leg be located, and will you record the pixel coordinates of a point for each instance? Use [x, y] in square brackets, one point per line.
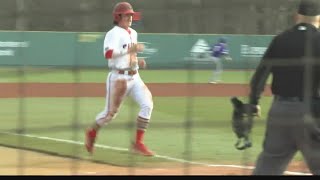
[116, 89]
[142, 95]
[279, 146]
[215, 74]
[219, 69]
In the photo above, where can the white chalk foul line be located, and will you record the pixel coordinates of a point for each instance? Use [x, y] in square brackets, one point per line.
[158, 156]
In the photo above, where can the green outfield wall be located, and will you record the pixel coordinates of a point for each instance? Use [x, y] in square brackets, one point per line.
[163, 51]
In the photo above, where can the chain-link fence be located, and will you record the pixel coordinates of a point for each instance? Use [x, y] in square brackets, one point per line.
[48, 107]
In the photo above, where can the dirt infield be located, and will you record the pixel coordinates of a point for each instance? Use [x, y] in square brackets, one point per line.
[11, 90]
[21, 162]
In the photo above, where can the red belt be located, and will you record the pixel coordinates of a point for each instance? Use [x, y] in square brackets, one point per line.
[128, 72]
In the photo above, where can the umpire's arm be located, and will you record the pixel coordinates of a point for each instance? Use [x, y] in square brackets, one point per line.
[259, 78]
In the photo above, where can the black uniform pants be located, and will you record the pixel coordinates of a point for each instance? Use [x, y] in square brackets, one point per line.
[286, 135]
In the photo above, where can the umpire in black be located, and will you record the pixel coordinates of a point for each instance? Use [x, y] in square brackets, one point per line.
[292, 58]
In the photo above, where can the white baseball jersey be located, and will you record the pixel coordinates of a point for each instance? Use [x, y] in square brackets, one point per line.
[120, 85]
[119, 40]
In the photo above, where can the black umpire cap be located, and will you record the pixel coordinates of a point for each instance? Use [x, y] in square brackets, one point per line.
[309, 7]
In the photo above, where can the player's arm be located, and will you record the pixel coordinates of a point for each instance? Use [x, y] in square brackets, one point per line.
[112, 49]
[225, 53]
[114, 52]
[227, 57]
[136, 46]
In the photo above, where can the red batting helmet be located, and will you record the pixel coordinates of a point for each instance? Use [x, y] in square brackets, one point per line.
[124, 8]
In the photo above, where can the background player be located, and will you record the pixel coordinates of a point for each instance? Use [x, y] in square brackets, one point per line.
[219, 51]
[120, 50]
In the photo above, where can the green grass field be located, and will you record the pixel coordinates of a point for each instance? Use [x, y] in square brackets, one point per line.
[198, 132]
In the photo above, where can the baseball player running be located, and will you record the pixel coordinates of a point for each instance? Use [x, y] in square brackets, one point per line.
[219, 51]
[120, 50]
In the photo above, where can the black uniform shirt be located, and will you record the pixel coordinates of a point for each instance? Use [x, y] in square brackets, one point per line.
[285, 59]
